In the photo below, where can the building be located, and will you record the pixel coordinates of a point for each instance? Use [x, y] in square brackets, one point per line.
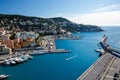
[2, 37]
[4, 50]
[9, 43]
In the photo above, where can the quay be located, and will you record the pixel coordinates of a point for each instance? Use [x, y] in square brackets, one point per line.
[57, 51]
[107, 67]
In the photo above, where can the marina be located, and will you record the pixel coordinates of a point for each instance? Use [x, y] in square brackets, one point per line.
[16, 60]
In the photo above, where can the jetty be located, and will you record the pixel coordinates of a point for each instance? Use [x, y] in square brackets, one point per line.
[107, 67]
[48, 43]
[57, 51]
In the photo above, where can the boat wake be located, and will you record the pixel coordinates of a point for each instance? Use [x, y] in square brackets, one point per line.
[73, 57]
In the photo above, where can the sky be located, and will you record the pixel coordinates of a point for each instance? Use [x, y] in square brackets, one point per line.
[95, 12]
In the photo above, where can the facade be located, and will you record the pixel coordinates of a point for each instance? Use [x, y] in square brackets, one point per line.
[9, 43]
[4, 50]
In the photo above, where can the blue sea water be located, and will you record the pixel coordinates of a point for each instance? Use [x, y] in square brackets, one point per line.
[66, 66]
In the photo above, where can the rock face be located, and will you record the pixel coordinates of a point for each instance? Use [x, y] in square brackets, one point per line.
[47, 25]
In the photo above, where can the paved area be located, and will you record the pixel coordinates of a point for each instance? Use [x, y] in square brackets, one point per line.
[97, 70]
[103, 69]
[114, 68]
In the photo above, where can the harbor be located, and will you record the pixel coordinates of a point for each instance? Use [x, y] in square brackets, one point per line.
[48, 46]
[62, 64]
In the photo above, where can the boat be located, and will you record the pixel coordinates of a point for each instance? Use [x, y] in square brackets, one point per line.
[3, 76]
[23, 57]
[12, 62]
[71, 57]
[6, 62]
[29, 57]
[17, 60]
[99, 50]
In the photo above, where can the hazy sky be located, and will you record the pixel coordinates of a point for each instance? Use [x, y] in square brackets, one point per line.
[98, 12]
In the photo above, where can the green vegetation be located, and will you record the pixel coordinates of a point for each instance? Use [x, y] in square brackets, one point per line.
[12, 36]
[47, 25]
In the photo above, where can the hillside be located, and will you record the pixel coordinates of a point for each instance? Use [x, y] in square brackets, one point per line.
[47, 25]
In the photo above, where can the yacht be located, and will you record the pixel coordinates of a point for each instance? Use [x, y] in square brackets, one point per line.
[17, 60]
[99, 51]
[6, 62]
[3, 76]
[23, 57]
[12, 62]
[29, 57]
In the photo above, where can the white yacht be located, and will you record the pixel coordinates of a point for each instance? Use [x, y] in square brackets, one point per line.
[3, 76]
[6, 62]
[29, 57]
[12, 62]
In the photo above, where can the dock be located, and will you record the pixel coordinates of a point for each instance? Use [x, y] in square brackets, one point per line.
[106, 67]
[57, 51]
[50, 47]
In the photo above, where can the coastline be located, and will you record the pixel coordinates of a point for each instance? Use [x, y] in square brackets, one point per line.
[30, 51]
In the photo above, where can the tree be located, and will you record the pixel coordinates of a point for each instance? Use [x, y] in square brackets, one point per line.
[12, 36]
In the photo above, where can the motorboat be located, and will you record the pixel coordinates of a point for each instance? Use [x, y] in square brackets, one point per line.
[29, 57]
[6, 62]
[3, 76]
[99, 50]
[12, 61]
[23, 57]
[17, 60]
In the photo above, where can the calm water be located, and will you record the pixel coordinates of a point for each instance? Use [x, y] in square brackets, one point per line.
[64, 66]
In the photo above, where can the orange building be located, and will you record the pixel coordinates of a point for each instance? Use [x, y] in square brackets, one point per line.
[9, 43]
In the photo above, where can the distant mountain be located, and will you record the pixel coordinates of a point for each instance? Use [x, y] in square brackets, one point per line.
[48, 25]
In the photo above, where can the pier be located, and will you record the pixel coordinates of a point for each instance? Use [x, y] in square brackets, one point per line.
[107, 67]
[57, 51]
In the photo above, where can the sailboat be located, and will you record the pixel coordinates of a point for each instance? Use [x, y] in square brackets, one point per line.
[3, 76]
